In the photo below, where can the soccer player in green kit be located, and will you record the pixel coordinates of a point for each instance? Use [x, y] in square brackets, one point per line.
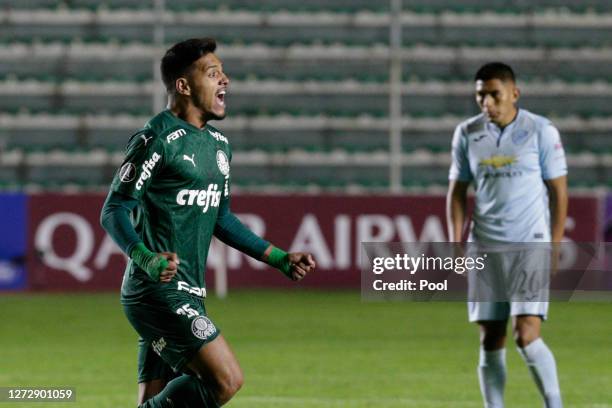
[170, 196]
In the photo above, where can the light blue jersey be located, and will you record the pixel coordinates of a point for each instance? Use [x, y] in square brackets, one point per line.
[508, 168]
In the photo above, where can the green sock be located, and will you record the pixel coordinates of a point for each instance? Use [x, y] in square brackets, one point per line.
[185, 391]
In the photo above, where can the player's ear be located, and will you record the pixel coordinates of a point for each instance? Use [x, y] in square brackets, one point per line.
[516, 93]
[182, 86]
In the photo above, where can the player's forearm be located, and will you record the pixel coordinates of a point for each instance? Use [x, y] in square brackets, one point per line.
[278, 259]
[115, 219]
[230, 230]
[234, 233]
[455, 223]
[558, 203]
[455, 214]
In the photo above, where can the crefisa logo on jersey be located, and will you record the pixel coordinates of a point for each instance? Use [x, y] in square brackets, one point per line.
[147, 167]
[202, 327]
[211, 197]
[127, 172]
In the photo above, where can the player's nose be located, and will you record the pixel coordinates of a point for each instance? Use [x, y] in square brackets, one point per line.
[224, 79]
[487, 101]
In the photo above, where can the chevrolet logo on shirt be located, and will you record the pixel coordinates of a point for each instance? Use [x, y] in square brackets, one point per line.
[498, 162]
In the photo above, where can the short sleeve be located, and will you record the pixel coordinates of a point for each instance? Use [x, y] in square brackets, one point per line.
[552, 154]
[460, 164]
[143, 160]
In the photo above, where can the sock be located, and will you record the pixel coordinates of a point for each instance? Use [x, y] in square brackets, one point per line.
[541, 363]
[492, 376]
[185, 391]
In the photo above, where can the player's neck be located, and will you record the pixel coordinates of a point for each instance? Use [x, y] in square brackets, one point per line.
[511, 117]
[187, 112]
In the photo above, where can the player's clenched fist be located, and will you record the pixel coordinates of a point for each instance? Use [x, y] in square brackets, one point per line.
[168, 273]
[161, 267]
[301, 263]
[294, 265]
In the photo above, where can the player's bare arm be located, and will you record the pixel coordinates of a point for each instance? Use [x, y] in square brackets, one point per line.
[558, 202]
[456, 203]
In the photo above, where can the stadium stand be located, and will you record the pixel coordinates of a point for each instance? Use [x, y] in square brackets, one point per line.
[309, 99]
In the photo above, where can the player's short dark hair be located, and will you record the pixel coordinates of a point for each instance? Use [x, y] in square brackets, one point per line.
[178, 59]
[495, 70]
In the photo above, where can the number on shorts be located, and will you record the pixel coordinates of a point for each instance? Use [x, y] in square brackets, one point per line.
[187, 310]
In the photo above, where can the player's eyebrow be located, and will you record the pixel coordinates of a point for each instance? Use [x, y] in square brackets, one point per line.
[211, 66]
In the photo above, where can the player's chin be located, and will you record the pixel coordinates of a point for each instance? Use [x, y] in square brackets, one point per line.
[217, 108]
[218, 114]
[491, 115]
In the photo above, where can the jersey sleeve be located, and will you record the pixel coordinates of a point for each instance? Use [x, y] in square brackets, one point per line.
[115, 219]
[143, 161]
[230, 230]
[552, 154]
[460, 165]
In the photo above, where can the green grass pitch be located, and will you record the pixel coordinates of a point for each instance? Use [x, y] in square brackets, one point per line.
[304, 349]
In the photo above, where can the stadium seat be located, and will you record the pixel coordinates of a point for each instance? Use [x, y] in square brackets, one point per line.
[294, 63]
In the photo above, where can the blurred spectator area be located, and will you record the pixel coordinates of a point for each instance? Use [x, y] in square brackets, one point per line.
[308, 107]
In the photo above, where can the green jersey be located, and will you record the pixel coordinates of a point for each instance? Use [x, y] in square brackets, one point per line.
[181, 176]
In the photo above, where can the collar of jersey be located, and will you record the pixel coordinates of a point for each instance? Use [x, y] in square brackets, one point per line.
[184, 122]
[492, 126]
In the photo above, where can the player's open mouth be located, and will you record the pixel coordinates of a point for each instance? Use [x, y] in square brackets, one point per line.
[221, 97]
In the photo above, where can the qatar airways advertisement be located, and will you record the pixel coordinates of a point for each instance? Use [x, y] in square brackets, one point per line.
[57, 243]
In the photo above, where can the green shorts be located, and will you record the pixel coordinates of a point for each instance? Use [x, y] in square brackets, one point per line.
[151, 366]
[173, 326]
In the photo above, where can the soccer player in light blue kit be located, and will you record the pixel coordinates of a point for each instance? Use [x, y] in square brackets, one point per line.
[516, 162]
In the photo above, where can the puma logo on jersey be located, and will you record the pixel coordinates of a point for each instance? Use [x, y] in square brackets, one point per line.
[185, 157]
[211, 197]
[175, 135]
[146, 139]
